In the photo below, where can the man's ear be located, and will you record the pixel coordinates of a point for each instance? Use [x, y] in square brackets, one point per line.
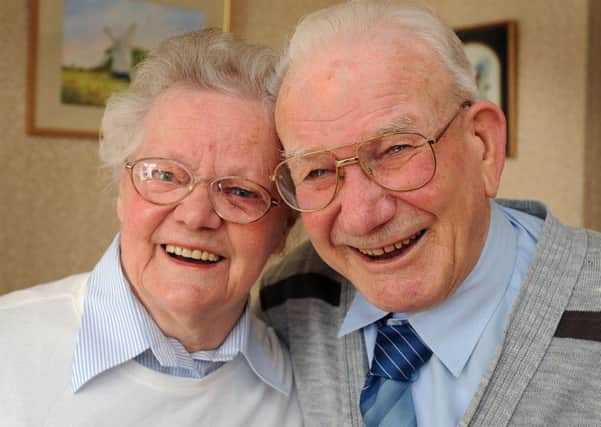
[489, 129]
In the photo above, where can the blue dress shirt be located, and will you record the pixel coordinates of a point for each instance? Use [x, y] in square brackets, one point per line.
[465, 331]
[116, 328]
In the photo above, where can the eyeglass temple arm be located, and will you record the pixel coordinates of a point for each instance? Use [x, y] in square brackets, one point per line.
[464, 104]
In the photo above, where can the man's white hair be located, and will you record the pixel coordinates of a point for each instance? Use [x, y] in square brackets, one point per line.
[207, 59]
[356, 17]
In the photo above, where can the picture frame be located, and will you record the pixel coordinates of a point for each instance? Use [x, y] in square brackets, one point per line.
[46, 114]
[492, 50]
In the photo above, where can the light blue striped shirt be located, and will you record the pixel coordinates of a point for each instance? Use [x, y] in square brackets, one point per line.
[465, 331]
[116, 328]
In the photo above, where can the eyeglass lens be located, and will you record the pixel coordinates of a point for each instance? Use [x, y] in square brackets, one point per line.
[399, 162]
[164, 182]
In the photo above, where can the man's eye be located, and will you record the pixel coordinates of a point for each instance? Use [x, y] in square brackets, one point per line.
[397, 148]
[316, 173]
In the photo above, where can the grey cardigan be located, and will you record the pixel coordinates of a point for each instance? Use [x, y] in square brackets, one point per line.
[546, 372]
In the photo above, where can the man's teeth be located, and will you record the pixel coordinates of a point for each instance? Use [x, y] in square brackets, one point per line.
[194, 254]
[390, 248]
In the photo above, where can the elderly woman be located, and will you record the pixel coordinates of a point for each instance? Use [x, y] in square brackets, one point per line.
[160, 332]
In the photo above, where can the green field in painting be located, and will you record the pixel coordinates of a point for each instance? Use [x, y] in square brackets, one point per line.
[84, 87]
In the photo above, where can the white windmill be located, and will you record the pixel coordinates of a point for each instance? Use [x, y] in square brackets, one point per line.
[121, 52]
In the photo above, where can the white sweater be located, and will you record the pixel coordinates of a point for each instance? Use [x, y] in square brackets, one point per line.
[37, 333]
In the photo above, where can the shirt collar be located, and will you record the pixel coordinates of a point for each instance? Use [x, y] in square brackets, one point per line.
[109, 333]
[466, 313]
[261, 357]
[115, 328]
[246, 338]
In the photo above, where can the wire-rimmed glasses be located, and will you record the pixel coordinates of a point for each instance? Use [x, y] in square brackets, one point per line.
[398, 161]
[164, 182]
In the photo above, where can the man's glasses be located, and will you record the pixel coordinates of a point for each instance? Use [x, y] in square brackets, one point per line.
[397, 161]
[165, 182]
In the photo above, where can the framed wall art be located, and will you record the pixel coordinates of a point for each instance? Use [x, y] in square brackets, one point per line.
[81, 51]
[491, 48]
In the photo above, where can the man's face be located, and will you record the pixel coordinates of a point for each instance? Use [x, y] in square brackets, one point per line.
[213, 135]
[350, 91]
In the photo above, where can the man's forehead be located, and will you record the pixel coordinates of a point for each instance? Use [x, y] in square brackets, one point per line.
[350, 89]
[338, 71]
[346, 50]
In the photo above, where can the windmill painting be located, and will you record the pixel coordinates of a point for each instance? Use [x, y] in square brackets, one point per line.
[104, 39]
[120, 54]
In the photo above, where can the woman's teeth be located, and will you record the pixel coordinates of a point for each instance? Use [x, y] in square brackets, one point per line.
[192, 254]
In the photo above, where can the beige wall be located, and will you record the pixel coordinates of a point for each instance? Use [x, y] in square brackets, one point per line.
[551, 101]
[592, 188]
[57, 215]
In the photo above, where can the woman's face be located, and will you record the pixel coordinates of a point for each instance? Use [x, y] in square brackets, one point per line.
[213, 135]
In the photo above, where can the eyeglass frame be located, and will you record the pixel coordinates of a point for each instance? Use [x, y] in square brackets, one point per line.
[130, 164]
[366, 170]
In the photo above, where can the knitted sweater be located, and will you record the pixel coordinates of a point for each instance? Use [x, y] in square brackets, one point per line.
[547, 370]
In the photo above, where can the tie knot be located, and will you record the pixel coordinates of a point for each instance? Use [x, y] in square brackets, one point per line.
[399, 353]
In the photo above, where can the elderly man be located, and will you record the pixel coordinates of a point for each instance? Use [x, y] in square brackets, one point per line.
[438, 305]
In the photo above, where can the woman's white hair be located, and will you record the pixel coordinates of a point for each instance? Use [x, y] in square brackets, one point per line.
[356, 17]
[207, 59]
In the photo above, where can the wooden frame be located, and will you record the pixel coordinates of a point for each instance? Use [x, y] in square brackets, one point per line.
[492, 50]
[46, 115]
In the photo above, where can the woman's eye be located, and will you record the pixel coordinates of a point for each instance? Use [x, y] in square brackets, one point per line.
[241, 192]
[163, 175]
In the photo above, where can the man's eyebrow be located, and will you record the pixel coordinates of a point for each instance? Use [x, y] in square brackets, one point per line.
[298, 151]
[400, 124]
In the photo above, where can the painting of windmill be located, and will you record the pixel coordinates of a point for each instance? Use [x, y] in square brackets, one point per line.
[104, 39]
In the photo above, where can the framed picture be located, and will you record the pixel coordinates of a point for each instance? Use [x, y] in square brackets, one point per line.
[82, 51]
[491, 48]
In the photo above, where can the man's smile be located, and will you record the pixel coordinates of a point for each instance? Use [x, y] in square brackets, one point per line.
[392, 250]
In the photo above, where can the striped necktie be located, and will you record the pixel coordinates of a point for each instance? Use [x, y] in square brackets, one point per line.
[386, 397]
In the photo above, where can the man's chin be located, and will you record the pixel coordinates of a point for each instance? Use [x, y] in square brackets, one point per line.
[392, 296]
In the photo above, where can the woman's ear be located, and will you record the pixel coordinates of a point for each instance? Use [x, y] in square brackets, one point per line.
[290, 221]
[489, 129]
[120, 195]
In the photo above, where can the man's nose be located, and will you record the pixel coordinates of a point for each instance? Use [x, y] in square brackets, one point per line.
[364, 205]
